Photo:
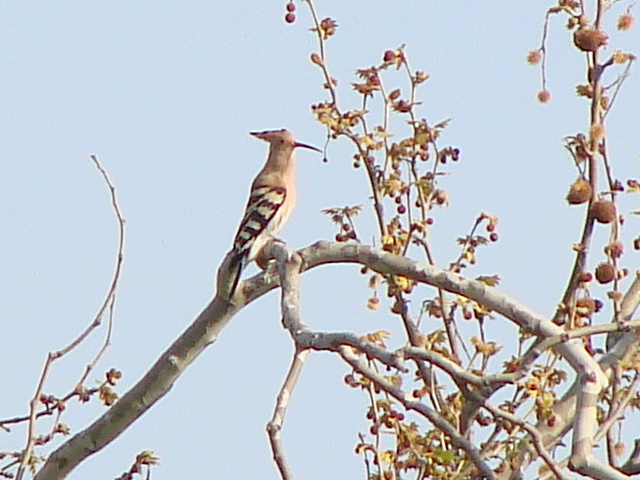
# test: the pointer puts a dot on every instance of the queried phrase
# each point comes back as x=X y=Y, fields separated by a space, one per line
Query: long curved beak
x=304 y=145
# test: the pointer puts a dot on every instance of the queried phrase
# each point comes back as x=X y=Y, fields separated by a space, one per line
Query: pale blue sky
x=165 y=94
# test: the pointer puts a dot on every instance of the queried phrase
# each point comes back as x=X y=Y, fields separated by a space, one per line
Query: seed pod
x=603 y=211
x=579 y=192
x=585 y=306
x=605 y=273
x=589 y=39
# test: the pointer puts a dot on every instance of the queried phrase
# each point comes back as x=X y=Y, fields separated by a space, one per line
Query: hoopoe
x=271 y=200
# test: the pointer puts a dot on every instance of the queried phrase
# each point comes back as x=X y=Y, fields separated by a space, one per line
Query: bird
x=272 y=199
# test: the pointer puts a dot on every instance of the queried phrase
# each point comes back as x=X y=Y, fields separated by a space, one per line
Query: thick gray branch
x=205 y=329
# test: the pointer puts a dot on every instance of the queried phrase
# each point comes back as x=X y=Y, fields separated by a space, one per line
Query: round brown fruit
x=605 y=273
x=603 y=211
x=579 y=192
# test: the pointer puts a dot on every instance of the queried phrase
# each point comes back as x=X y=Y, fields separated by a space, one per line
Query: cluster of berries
x=290 y=16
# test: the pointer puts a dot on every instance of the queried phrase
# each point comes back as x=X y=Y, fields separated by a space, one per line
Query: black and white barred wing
x=262 y=219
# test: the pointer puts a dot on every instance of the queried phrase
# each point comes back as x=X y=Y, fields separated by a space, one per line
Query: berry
x=401 y=209
x=291 y=7
x=389 y=55
x=290 y=17
x=493 y=237
x=586 y=277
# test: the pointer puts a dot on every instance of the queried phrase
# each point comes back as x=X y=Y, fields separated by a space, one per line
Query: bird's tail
x=236 y=266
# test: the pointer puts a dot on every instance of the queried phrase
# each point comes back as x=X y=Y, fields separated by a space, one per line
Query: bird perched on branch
x=271 y=201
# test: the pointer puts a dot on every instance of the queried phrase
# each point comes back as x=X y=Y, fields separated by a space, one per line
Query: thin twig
x=53 y=356
x=434 y=417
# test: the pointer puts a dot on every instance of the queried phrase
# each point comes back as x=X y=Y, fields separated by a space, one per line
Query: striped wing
x=259 y=220
x=257 y=225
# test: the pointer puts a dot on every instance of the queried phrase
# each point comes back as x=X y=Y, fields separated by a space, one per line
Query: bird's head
x=282 y=139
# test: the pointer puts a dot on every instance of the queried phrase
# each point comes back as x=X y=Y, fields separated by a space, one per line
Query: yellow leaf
x=491 y=281
x=387 y=456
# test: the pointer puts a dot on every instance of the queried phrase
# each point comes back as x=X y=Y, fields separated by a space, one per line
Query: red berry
x=290 y=17
x=493 y=237
x=291 y=7
x=398 y=199
x=491 y=227
x=430 y=221
x=401 y=209
x=586 y=277
x=400 y=416
x=389 y=55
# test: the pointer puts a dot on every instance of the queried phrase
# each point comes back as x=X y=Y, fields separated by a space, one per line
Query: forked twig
x=108 y=303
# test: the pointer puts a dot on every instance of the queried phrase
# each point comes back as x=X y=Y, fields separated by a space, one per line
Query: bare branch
x=108 y=303
x=274 y=427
